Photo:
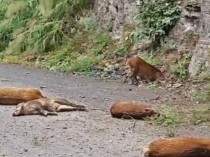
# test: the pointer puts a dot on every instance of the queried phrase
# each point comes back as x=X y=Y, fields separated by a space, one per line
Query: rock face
x=192 y=32
x=200 y=61
x=192 y=35
x=114 y=15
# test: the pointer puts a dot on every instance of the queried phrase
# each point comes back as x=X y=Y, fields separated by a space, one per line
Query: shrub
x=155 y=19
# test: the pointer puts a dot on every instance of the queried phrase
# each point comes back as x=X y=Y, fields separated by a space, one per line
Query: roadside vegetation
x=64 y=35
x=57 y=35
x=175 y=117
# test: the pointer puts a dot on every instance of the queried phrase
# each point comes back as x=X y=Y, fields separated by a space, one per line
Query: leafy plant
x=169 y=117
x=100 y=41
x=84 y=64
x=56 y=32
x=37 y=26
x=152 y=85
x=199 y=116
x=150 y=58
x=80 y=54
x=202 y=96
x=122 y=50
x=155 y=19
x=179 y=70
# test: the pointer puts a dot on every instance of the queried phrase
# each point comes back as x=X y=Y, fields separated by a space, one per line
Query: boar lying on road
x=14 y=96
x=179 y=147
x=46 y=106
x=128 y=110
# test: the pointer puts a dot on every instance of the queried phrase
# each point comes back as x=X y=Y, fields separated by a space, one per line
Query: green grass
x=202 y=96
x=169 y=118
x=52 y=31
x=152 y=85
x=40 y=23
x=150 y=58
x=200 y=116
x=173 y=118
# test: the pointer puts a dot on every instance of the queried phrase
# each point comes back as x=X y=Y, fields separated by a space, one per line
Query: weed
x=121 y=50
x=84 y=64
x=53 y=30
x=11 y=59
x=100 y=41
x=36 y=142
x=179 y=70
x=155 y=19
x=171 y=131
x=150 y=58
x=169 y=117
x=88 y=23
x=77 y=57
x=152 y=85
x=44 y=24
x=200 y=116
x=202 y=96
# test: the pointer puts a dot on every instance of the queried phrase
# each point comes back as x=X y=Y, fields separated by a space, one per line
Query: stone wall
x=114 y=15
x=191 y=34
x=200 y=61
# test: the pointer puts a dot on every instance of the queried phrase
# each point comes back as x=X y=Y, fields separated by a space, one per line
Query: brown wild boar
x=46 y=106
x=135 y=66
x=14 y=96
x=179 y=147
x=130 y=110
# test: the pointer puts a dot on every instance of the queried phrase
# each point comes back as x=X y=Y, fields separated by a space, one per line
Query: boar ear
x=20 y=106
x=147 y=109
x=146 y=151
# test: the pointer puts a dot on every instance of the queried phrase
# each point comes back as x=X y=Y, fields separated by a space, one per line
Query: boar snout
x=15 y=114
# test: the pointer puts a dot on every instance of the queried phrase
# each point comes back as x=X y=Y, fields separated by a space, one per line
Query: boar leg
x=125 y=78
x=133 y=76
x=52 y=113
x=43 y=112
x=63 y=108
x=46 y=113
x=61 y=101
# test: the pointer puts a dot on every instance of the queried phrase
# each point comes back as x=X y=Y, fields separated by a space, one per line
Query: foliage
x=121 y=50
x=155 y=19
x=180 y=69
x=57 y=32
x=169 y=117
x=150 y=58
x=152 y=85
x=38 y=26
x=202 y=96
x=79 y=54
x=200 y=116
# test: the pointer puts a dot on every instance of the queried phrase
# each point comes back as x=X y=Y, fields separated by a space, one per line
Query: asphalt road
x=78 y=134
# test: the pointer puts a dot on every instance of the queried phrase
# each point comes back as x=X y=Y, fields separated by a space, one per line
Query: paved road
x=77 y=134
